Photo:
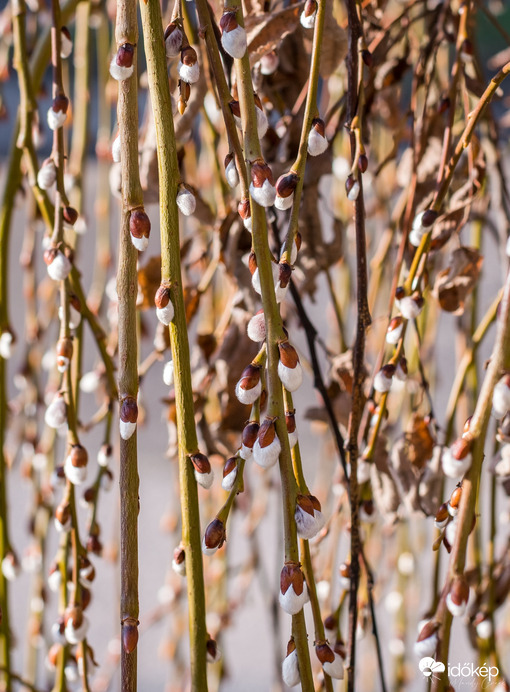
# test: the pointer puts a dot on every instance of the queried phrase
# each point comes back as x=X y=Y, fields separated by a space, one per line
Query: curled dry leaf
x=455 y=283
x=265 y=31
x=385 y=491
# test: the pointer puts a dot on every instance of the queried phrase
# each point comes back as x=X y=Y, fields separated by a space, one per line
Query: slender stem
x=127 y=113
x=171 y=276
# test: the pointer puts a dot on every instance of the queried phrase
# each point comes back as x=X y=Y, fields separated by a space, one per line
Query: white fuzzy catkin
x=308 y=22
x=168 y=373
x=291 y=602
x=231 y=174
x=291 y=378
x=179 y=567
x=290 y=669
x=283 y=203
x=189 y=73
x=126 y=429
x=228 y=481
x=234 y=42
x=293 y=438
x=382 y=383
x=307 y=524
x=89 y=382
x=119 y=72
x=75 y=635
x=280 y=291
x=55 y=118
x=186 y=202
x=317 y=144
x=264 y=195
x=267 y=456
x=60 y=267
x=393 y=335
x=455 y=468
x=256 y=328
x=335 y=669
x=6 y=341
x=269 y=63
x=248 y=396
x=66 y=46
x=173 y=43
x=140 y=244
x=206 y=550
x=426 y=647
x=262 y=122
x=116 y=149
x=76 y=474
x=47 y=175
x=501 y=398
x=415 y=237
x=409 y=308
x=255 y=279
x=56 y=413
x=204 y=479
x=455 y=609
x=484 y=629
x=165 y=315
x=10 y=569
x=353 y=193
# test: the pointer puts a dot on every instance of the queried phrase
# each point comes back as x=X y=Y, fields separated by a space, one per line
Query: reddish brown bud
x=286 y=184
x=89 y=495
x=310 y=7
x=125 y=55
x=367 y=57
x=243 y=208
x=179 y=555
x=442 y=513
x=291 y=575
x=298 y=241
x=444 y=105
x=349 y=183
x=200 y=462
x=267 y=432
x=429 y=217
x=331 y=622
x=250 y=432
x=129 y=410
x=63 y=513
x=60 y=103
x=228 y=21
x=325 y=653
x=49 y=255
x=363 y=163
x=399 y=292
x=290 y=421
x=65 y=348
x=170 y=29
x=162 y=296
x=188 y=56
x=79 y=456
x=229 y=466
x=285 y=272
x=260 y=172
x=129 y=635
x=94 y=545
x=291 y=646
x=455 y=497
x=250 y=376
x=460 y=448
x=252 y=262
x=388 y=369
x=319 y=126
x=428 y=630
x=74 y=614
x=215 y=534
x=305 y=503
x=288 y=354
x=345 y=570
x=403 y=364
x=70 y=215
x=459 y=591
x=139 y=224
x=235 y=108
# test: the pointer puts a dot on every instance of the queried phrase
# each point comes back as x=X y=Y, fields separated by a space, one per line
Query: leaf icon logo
x=428 y=666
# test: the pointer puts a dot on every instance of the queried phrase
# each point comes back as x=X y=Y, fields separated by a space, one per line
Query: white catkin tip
x=427 y=647
x=293 y=438
x=382 y=383
x=248 y=396
x=126 y=429
x=484 y=629
x=353 y=193
x=60 y=268
x=54 y=580
x=262 y=122
x=204 y=479
x=454 y=468
x=47 y=176
x=232 y=175
x=308 y=22
x=140 y=244
x=247 y=223
x=234 y=42
x=257 y=328
x=165 y=315
x=291 y=378
x=89 y=382
x=415 y=237
x=75 y=474
x=173 y=43
x=507 y=249
x=215 y=658
x=55 y=119
x=280 y=291
x=291 y=602
x=317 y=144
x=74 y=635
x=501 y=398
x=62 y=363
x=6 y=345
x=290 y=669
x=284 y=203
x=245 y=452
x=189 y=73
x=10 y=569
x=269 y=63
x=228 y=481
x=400 y=373
x=116 y=149
x=264 y=195
x=335 y=669
x=118 y=72
x=103 y=458
x=179 y=567
x=168 y=373
x=307 y=525
x=409 y=308
x=56 y=413
x=66 y=46
x=206 y=550
x=393 y=336
x=455 y=609
x=451 y=531
x=267 y=456
x=186 y=202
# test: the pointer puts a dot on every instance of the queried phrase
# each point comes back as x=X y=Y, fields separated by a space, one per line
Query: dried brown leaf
x=455 y=283
x=265 y=31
